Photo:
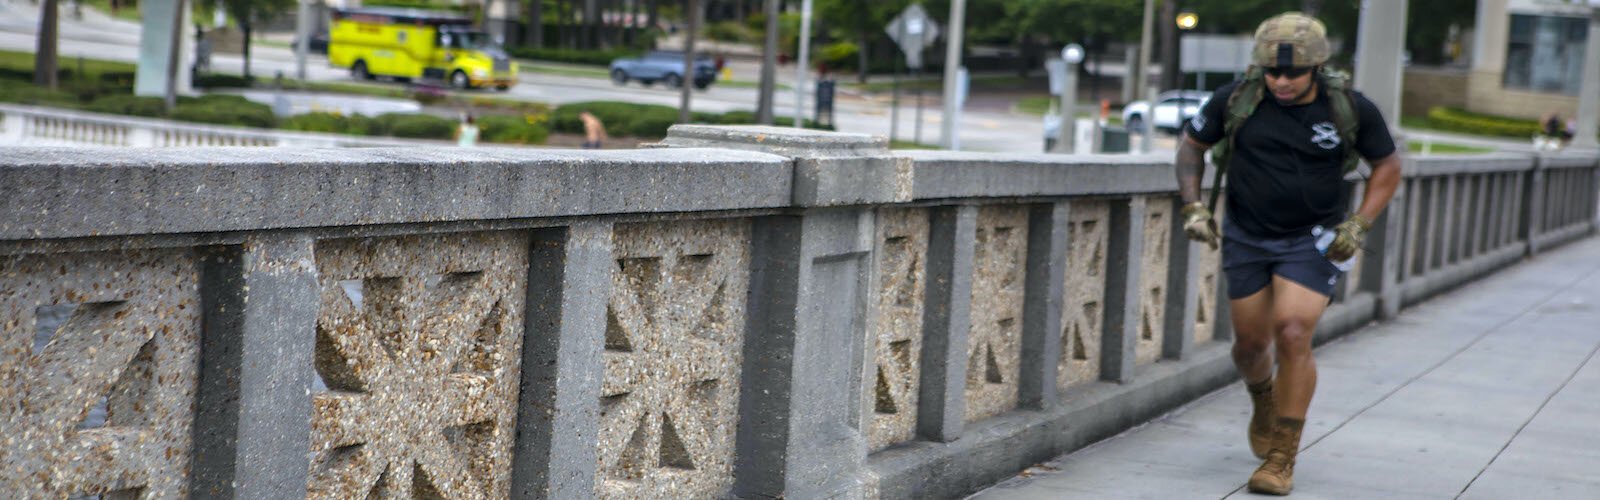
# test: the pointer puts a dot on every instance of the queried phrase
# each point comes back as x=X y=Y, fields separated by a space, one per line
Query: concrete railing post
x=252 y=424
x=946 y=322
x=569 y=283
x=1124 y=260
x=11 y=127
x=1183 y=287
x=801 y=431
x=1381 y=267
x=1041 y=307
x=1533 y=203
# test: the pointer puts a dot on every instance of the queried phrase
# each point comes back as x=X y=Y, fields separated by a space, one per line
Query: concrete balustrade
x=742 y=311
x=44 y=126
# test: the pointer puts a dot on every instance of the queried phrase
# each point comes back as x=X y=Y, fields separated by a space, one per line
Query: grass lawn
x=23 y=61
x=126 y=12
x=936 y=83
x=899 y=144
x=563 y=70
x=1445 y=147
x=1035 y=105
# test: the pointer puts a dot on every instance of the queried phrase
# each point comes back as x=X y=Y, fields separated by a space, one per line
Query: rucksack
x=1244 y=99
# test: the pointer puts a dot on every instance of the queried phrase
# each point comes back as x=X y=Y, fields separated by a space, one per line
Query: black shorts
x=1249 y=262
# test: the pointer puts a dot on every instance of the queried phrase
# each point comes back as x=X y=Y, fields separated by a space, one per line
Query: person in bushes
x=467 y=133
x=1287 y=137
x=593 y=130
x=1553 y=133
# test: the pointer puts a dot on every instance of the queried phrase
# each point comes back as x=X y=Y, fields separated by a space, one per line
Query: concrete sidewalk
x=1490 y=391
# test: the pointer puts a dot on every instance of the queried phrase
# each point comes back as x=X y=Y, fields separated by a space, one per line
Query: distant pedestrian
x=593 y=131
x=1553 y=133
x=467 y=133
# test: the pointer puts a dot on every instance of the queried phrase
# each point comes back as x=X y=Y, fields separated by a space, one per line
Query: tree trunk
x=244 y=28
x=1311 y=7
x=769 y=65
x=534 y=36
x=1171 y=76
x=655 y=16
x=45 y=61
x=616 y=30
x=862 y=49
x=686 y=87
x=568 y=39
x=632 y=36
x=591 y=24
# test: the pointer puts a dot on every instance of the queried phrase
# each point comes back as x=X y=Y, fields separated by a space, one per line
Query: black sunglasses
x=1291 y=72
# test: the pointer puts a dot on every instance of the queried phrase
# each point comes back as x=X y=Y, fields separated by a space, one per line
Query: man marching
x=1286 y=135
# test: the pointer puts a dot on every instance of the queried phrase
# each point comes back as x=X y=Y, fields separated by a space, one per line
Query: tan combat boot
x=1261 y=415
x=1276 y=475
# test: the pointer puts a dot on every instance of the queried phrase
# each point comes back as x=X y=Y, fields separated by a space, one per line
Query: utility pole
x=800 y=70
x=302 y=32
x=172 y=54
x=46 y=58
x=952 y=68
x=1141 y=72
x=1589 y=88
x=1171 y=77
x=686 y=84
x=769 y=65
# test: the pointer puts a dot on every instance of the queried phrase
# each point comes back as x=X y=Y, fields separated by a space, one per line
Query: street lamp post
x=800 y=70
x=1072 y=54
x=1186 y=21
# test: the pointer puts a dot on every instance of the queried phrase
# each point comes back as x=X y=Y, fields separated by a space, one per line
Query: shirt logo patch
x=1198 y=122
x=1325 y=135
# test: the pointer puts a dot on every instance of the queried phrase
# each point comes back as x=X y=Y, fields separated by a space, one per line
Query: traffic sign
x=913 y=31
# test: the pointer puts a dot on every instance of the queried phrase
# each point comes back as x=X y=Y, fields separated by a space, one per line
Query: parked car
x=663 y=66
x=1173 y=108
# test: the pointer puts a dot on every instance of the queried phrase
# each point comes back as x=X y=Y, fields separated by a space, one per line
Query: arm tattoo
x=1191 y=164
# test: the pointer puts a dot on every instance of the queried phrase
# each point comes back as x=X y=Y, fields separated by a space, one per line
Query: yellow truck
x=409 y=44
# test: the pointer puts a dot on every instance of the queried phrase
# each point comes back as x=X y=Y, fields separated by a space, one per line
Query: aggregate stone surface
x=674 y=334
x=1153 y=278
x=897 y=329
x=994 y=344
x=102 y=402
x=418 y=344
x=1210 y=272
x=1085 y=284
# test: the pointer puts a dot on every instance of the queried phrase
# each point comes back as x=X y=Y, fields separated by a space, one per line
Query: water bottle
x=1324 y=238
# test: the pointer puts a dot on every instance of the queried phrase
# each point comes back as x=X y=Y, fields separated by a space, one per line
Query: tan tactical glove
x=1347 y=238
x=1198 y=225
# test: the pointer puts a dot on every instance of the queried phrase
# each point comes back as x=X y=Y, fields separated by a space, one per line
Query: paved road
x=101 y=37
x=1491 y=391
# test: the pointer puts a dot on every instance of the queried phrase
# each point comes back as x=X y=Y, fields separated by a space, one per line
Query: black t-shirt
x=1287 y=170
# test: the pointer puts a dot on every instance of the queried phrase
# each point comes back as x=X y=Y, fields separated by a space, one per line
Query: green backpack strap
x=1241 y=104
x=1345 y=117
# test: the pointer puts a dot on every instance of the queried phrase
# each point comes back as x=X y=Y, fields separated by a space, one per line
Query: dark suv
x=663 y=66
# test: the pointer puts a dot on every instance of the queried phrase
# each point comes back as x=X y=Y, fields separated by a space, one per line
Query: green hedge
x=26 y=93
x=419 y=4
x=224 y=110
x=512 y=129
x=645 y=120
x=574 y=56
x=732 y=31
x=418 y=126
x=218 y=81
x=509 y=129
x=1456 y=120
x=128 y=104
x=335 y=123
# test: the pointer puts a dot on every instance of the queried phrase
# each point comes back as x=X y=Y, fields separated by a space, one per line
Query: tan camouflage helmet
x=1290 y=39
